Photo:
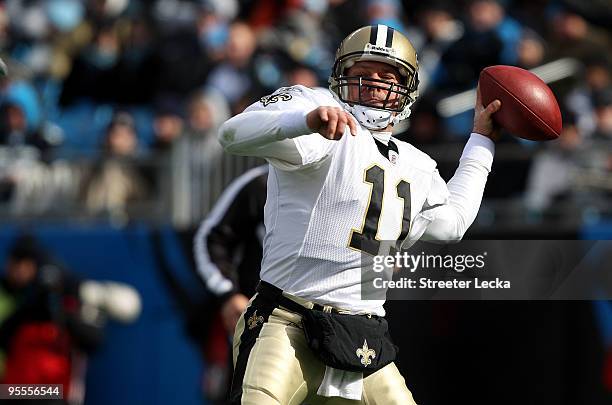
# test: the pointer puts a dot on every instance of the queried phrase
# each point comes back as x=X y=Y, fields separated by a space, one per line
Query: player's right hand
x=330 y=122
x=483 y=120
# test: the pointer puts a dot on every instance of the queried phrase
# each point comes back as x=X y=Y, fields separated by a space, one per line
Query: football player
x=227 y=245
x=228 y=249
x=338 y=185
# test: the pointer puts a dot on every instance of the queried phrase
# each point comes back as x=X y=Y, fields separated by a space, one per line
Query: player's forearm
x=264 y=133
x=466 y=189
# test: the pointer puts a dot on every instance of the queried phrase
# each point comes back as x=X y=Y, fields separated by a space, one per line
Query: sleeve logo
x=274 y=98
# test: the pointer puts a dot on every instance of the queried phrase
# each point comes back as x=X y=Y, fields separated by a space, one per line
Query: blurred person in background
x=573 y=36
x=595 y=77
x=121 y=139
x=235 y=77
x=205 y=114
x=576 y=169
x=425 y=125
x=47 y=34
x=345 y=16
x=41 y=328
x=15 y=131
x=438 y=30
x=104 y=10
x=228 y=250
x=489 y=16
x=602 y=135
x=263 y=15
x=196 y=154
x=531 y=50
x=553 y=169
x=182 y=45
x=531 y=13
x=206 y=111
x=213 y=29
x=490 y=38
x=602 y=102
x=21 y=121
x=303 y=75
x=50 y=320
x=386 y=12
x=92 y=76
x=116 y=180
x=136 y=71
x=32 y=180
x=602 y=144
x=303 y=36
x=168 y=124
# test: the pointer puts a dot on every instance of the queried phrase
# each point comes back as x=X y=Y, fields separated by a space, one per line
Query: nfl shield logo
x=393 y=156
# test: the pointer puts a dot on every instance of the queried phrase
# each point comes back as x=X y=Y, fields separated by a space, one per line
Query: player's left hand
x=483 y=121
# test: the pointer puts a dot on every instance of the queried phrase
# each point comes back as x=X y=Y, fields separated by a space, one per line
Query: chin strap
x=376 y=119
x=371 y=118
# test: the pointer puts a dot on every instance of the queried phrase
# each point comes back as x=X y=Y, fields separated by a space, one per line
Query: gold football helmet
x=378 y=43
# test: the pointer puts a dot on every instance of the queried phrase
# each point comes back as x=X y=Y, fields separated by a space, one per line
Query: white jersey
x=331 y=201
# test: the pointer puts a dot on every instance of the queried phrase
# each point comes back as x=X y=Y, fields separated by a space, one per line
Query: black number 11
x=366 y=239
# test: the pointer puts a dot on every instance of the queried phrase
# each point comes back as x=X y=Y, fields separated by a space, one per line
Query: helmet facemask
x=398 y=95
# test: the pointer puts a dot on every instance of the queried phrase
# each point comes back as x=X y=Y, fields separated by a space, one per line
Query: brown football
x=529 y=108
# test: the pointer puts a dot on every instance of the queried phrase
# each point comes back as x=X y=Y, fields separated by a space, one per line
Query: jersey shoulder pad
x=317 y=95
x=325 y=97
x=416 y=157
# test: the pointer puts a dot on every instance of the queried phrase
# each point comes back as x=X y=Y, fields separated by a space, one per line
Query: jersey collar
x=381 y=136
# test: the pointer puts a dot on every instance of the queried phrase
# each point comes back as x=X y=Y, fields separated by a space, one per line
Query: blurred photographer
x=50 y=320
x=40 y=326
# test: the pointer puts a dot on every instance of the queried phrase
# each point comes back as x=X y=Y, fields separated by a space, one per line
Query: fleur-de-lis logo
x=366 y=354
x=255 y=320
x=274 y=98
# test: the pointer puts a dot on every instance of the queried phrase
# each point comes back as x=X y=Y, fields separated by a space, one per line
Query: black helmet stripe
x=373 y=34
x=390 y=33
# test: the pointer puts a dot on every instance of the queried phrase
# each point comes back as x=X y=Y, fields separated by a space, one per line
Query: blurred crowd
x=105 y=97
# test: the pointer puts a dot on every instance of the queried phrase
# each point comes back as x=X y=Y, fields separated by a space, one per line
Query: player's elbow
x=226 y=137
x=444 y=232
x=449 y=236
x=455 y=237
x=456 y=232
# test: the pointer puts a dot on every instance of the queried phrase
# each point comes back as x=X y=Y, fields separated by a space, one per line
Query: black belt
x=275 y=296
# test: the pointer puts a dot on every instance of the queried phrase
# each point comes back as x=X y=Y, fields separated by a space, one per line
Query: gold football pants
x=273 y=365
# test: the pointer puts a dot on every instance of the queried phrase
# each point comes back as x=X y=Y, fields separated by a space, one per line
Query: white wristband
x=480 y=148
x=293 y=124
